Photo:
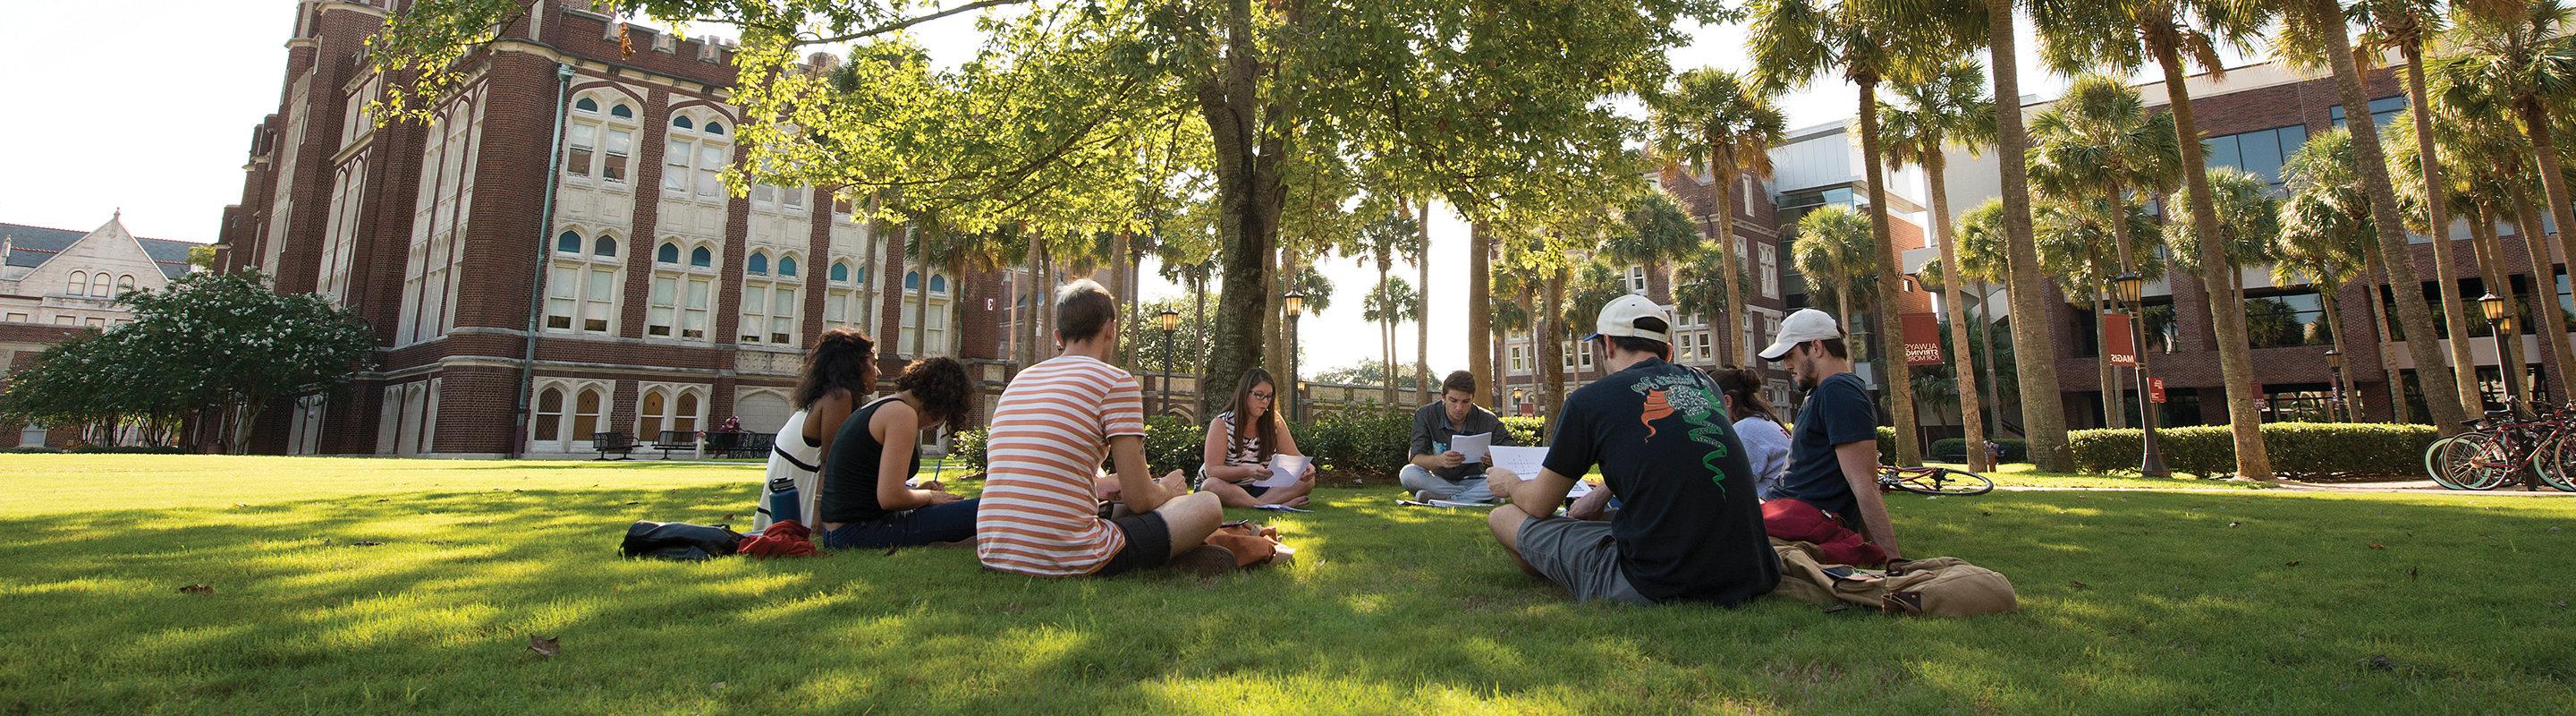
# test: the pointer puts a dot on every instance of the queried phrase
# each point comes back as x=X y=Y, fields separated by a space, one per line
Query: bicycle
x=1934 y=481
x=2501 y=445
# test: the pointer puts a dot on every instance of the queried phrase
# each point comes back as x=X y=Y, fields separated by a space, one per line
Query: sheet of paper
x=1284 y=470
x=1279 y=508
x=1524 y=462
x=1472 y=446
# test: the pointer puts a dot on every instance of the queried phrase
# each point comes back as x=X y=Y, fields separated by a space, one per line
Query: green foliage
x=970 y=446
x=2015 y=449
x=2299 y=450
x=1141 y=340
x=1359 y=443
x=1526 y=430
x=1173 y=443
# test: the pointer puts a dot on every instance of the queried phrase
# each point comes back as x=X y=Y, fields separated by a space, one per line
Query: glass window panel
x=669 y=254
x=604 y=246
x=786 y=265
x=682 y=121
x=622 y=112
x=586 y=104
x=840 y=272
x=701 y=257
x=568 y=242
x=759 y=264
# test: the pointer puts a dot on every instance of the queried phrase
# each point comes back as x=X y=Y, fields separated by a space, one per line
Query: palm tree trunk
x=921 y=309
x=2455 y=313
x=1386 y=337
x=2343 y=373
x=1422 y=305
x=1034 y=292
x=2111 y=412
x=1899 y=378
x=2509 y=362
x=1730 y=332
x=1994 y=388
x=2436 y=212
x=2440 y=391
x=2553 y=182
x=2235 y=359
x=1199 y=328
x=2043 y=411
x=1480 y=303
x=1553 y=388
x=2398 y=410
x=2114 y=409
x=2553 y=324
x=870 y=270
x=1963 y=364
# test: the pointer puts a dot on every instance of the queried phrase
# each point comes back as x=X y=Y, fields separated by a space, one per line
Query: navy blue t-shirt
x=1688 y=526
x=1838 y=411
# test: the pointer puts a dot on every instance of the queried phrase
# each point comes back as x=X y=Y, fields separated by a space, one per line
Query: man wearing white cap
x=1689 y=528
x=1833 y=451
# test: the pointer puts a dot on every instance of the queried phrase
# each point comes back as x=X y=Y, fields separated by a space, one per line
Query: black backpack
x=679 y=540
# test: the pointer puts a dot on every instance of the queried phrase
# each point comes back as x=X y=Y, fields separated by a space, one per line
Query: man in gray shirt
x=1437 y=472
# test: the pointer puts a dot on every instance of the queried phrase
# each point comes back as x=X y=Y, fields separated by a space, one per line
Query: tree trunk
x=2553 y=333
x=1899 y=377
x=2343 y=373
x=2115 y=412
x=2043 y=413
x=2111 y=412
x=1199 y=346
x=1552 y=390
x=2455 y=314
x=2510 y=365
x=921 y=309
x=1729 y=311
x=2553 y=183
x=2398 y=410
x=1249 y=190
x=1963 y=364
x=1480 y=303
x=2437 y=214
x=1422 y=305
x=2235 y=359
x=869 y=268
x=2440 y=391
x=1986 y=339
x=1386 y=338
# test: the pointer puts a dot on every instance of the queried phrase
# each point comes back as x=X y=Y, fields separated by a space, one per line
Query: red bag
x=1794 y=520
x=784 y=538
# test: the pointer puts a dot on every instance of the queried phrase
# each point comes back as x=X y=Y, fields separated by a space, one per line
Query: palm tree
x=2518 y=59
x=1654 y=233
x=2121 y=36
x=1594 y=284
x=1422 y=304
x=1985 y=257
x=2043 y=414
x=2098 y=144
x=2248 y=220
x=1716 y=118
x=2322 y=241
x=1390 y=303
x=1944 y=107
x=1793 y=41
x=2326 y=169
x=2496 y=184
x=1832 y=248
x=2079 y=247
x=1382 y=240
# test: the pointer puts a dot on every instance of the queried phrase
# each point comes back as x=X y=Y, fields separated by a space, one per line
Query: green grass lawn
x=2132 y=602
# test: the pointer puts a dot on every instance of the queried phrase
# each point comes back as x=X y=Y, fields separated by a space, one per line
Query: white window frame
x=583 y=285
x=942 y=292
x=694 y=157
x=680 y=298
x=593 y=139
x=771 y=302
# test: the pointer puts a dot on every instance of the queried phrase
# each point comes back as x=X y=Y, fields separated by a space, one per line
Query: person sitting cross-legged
x=1053 y=427
x=1438 y=472
x=1240 y=443
x=1833 y=451
x=865 y=499
x=1688 y=528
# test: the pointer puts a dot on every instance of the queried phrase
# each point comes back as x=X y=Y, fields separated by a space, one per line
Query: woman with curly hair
x=838 y=374
x=867 y=499
x=1240 y=442
x=1766 y=441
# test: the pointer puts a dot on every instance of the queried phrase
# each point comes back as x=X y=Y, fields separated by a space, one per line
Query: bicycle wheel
x=2465 y=462
x=1941 y=481
x=2557 y=465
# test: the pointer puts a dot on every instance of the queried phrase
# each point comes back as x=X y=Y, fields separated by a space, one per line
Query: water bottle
x=782 y=504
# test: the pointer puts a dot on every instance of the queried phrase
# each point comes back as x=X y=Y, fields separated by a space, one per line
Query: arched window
x=938 y=283
x=678 y=298
x=650 y=418
x=124 y=283
x=585 y=417
x=769 y=305
x=940 y=306
x=582 y=289
x=98 y=285
x=841 y=305
x=700 y=257
x=840 y=272
x=597 y=149
x=669 y=253
x=912 y=281
x=550 y=415
x=695 y=160
x=79 y=284
x=684 y=415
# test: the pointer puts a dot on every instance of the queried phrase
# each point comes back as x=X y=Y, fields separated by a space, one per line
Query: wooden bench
x=612 y=443
x=671 y=440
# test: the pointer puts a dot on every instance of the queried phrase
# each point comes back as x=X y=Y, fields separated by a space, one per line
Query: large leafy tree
x=1943 y=107
x=1870 y=42
x=2121 y=36
x=1044 y=129
x=1717 y=121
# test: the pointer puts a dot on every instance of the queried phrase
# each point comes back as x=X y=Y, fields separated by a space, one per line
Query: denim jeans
x=1427 y=486
x=911 y=528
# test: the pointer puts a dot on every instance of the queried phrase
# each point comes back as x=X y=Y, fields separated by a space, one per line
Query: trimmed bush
x=970 y=445
x=1363 y=444
x=2015 y=449
x=1525 y=431
x=126 y=449
x=1174 y=444
x=2299 y=451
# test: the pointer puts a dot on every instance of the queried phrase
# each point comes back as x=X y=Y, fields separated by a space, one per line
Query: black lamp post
x=2507 y=366
x=1171 y=321
x=2334 y=365
x=1296 y=308
x=1517 y=396
x=2130 y=288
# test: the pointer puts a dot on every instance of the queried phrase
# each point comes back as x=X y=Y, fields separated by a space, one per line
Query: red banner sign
x=2116 y=341
x=2156 y=390
x=1922 y=339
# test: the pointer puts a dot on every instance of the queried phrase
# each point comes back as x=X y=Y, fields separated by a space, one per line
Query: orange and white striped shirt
x=1050 y=432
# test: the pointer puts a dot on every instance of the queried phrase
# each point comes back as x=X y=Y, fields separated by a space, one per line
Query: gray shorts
x=1579 y=555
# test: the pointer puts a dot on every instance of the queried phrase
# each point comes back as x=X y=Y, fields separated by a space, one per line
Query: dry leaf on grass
x=2380 y=662
x=197 y=589
x=2291 y=563
x=2375 y=545
x=545 y=646
x=2071 y=584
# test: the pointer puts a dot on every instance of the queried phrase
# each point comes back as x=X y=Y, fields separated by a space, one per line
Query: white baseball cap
x=1807 y=324
x=1619 y=318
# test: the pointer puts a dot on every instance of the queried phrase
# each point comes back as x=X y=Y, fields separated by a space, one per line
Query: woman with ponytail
x=1766 y=441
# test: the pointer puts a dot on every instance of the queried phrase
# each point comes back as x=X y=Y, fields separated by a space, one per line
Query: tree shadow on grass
x=2132 y=602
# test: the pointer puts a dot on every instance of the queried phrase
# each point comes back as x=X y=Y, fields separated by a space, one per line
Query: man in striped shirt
x=1055 y=424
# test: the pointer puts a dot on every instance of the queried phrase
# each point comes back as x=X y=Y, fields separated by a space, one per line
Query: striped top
x=1246 y=451
x=1050 y=432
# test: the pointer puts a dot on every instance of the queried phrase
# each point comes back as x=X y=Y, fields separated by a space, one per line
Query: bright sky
x=158 y=122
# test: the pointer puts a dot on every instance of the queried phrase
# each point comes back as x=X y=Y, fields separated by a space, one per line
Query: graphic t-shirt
x=1838 y=411
x=1688 y=526
x=1051 y=430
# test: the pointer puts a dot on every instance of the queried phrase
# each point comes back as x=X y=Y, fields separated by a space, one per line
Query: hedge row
x=97 y=449
x=2299 y=450
x=1362 y=443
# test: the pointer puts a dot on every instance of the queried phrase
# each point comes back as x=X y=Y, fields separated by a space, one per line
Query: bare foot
x=1300 y=501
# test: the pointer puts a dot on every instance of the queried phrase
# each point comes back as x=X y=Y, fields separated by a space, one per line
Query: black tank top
x=850 y=472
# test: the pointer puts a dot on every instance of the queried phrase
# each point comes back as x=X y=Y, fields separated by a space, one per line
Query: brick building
x=55 y=283
x=668 y=304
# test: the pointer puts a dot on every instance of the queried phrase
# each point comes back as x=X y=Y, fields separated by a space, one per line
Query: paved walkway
x=2403 y=487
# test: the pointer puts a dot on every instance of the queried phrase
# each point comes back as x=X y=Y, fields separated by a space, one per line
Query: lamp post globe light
x=1518 y=395
x=1171 y=321
x=1296 y=307
x=2129 y=289
x=2508 y=364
